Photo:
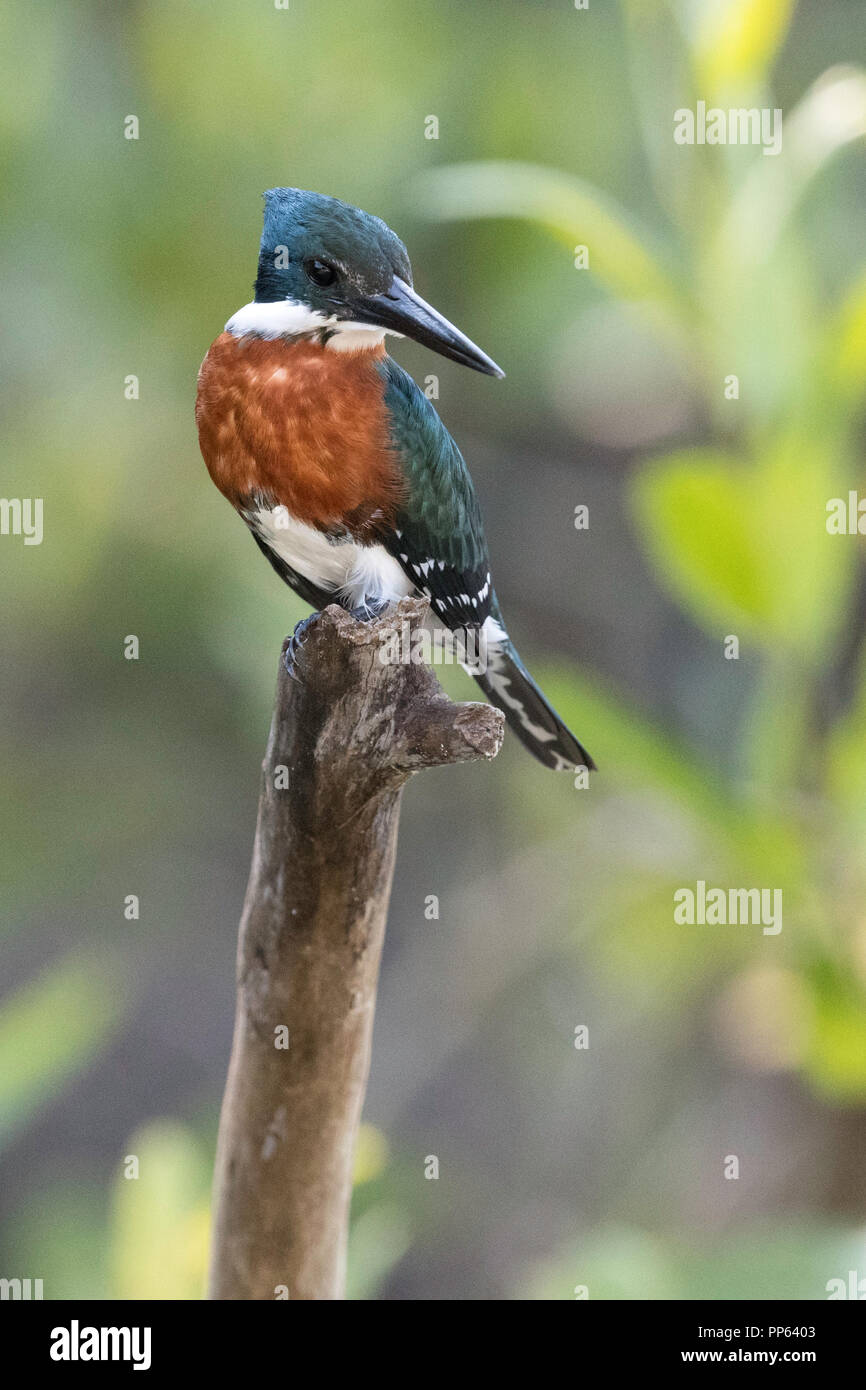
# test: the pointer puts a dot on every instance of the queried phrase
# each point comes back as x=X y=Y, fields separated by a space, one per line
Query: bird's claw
x=369 y=612
x=366 y=613
x=294 y=645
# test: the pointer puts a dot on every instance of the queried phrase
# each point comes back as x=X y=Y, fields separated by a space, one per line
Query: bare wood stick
x=349 y=731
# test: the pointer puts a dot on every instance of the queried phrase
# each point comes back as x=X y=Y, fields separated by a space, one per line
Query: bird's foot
x=370 y=611
x=294 y=644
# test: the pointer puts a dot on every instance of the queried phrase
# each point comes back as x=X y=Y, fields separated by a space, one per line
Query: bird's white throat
x=288 y=318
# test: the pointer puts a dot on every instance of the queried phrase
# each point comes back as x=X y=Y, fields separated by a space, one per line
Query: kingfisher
x=337 y=461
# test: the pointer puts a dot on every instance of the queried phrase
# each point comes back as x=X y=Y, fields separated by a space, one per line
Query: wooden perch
x=347 y=732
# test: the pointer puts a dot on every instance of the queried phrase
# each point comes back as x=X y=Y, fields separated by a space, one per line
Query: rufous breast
x=301 y=425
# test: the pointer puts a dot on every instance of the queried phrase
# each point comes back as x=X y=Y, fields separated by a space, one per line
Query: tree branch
x=347 y=732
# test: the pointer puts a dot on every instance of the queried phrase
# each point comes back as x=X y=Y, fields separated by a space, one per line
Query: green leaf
x=722 y=539
x=695 y=514
x=836 y=1055
x=574 y=211
x=846 y=348
x=735 y=42
x=830 y=116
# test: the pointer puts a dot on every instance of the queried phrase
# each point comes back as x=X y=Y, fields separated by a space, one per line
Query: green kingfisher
x=337 y=461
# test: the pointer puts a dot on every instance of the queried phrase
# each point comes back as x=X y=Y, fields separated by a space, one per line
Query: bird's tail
x=508 y=685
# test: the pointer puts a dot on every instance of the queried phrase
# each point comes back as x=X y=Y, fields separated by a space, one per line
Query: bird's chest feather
x=299 y=426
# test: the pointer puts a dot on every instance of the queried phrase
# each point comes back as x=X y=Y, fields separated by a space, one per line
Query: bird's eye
x=320 y=272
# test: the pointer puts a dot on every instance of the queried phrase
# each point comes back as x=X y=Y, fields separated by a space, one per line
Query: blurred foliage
x=704 y=262
x=737 y=530
x=624 y=1263
x=50 y=1030
x=161 y=1222
x=152 y=1240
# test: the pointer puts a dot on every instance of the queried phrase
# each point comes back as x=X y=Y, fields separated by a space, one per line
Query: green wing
x=439 y=535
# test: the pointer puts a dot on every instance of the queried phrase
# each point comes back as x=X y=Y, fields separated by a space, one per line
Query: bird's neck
x=292 y=320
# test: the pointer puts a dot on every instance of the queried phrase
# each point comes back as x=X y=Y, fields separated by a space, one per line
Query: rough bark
x=348 y=729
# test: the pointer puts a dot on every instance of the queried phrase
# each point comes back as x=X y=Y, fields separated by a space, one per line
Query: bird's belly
x=356 y=574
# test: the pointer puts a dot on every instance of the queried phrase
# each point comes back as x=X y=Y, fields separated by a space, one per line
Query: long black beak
x=403 y=311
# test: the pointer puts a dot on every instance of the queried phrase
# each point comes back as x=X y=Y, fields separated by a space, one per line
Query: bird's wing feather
x=439 y=536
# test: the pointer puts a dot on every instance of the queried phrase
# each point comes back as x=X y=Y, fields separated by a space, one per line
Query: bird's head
x=351 y=272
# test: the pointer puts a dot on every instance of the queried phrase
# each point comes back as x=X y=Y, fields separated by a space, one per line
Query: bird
x=338 y=462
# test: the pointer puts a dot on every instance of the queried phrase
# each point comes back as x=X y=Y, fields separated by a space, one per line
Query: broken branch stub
x=347 y=732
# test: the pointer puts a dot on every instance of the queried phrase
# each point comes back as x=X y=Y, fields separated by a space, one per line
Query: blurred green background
x=559 y=1167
